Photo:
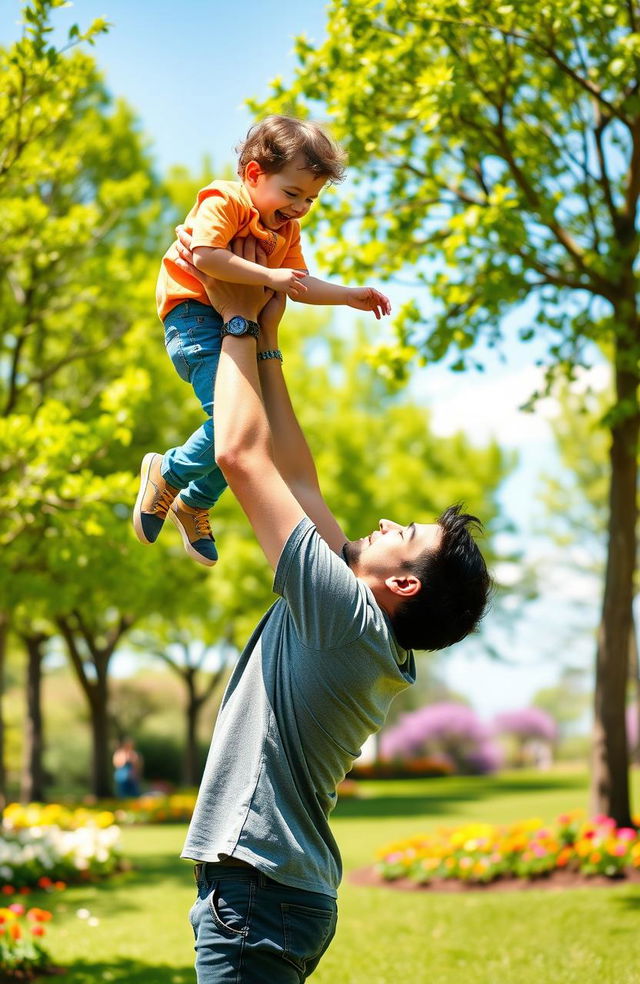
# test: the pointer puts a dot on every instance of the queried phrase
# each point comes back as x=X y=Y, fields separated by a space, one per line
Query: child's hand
x=369 y=299
x=287 y=281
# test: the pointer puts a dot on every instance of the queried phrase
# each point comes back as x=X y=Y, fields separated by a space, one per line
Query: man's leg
x=250 y=929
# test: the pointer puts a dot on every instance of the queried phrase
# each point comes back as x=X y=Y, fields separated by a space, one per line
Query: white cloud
x=488 y=406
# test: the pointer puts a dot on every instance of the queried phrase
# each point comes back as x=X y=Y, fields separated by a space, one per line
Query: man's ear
x=404 y=587
x=252 y=172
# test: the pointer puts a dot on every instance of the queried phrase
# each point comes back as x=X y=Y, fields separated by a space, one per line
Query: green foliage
x=492 y=153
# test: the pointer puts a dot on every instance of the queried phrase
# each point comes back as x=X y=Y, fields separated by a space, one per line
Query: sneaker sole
x=186 y=542
x=137 y=509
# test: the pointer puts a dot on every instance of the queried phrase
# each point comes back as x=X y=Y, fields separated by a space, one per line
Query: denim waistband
x=235 y=866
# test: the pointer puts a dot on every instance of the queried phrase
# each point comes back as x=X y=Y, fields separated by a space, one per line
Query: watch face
x=236 y=326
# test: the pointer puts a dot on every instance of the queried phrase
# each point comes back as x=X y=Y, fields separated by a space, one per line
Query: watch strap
x=251 y=328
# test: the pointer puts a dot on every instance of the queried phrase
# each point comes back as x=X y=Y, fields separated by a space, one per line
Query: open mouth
x=281 y=217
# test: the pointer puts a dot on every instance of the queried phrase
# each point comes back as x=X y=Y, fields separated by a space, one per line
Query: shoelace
x=202 y=524
x=162 y=501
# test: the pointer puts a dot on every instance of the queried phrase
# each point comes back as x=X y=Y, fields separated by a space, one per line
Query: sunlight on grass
x=581 y=936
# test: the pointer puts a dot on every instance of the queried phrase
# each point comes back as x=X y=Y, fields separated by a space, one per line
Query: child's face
x=287 y=195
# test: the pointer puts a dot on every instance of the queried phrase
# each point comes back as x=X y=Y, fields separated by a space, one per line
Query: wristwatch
x=240 y=326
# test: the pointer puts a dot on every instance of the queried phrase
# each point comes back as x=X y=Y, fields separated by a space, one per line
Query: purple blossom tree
x=447 y=731
x=527 y=723
x=534 y=732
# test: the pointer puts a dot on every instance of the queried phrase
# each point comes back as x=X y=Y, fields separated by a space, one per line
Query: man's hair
x=277 y=140
x=456 y=587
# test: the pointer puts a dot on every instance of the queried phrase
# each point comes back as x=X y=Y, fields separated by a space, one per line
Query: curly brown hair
x=277 y=140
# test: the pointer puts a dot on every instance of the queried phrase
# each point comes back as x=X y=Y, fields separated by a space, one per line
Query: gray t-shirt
x=314 y=681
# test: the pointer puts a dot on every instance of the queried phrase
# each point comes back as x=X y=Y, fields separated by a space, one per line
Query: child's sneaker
x=154 y=499
x=195 y=531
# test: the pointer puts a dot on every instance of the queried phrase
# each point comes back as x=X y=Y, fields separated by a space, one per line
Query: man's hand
x=229 y=300
x=288 y=281
x=368 y=299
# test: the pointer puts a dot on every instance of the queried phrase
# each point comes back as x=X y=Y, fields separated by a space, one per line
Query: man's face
x=388 y=550
x=287 y=195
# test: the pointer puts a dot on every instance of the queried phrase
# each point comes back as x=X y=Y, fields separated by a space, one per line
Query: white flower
x=83 y=914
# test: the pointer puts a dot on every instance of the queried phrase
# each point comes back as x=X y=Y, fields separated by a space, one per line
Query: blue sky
x=187 y=69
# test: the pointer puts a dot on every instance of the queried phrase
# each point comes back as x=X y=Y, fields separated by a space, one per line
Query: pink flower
x=17 y=908
x=619 y=850
x=627 y=834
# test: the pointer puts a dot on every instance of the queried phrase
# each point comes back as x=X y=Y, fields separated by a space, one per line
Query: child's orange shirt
x=223 y=210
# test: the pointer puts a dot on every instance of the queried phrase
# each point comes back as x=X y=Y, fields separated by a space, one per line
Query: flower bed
x=481 y=853
x=22 y=954
x=150 y=808
x=49 y=855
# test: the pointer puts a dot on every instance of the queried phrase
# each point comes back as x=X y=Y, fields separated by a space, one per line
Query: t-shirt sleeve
x=294 y=260
x=218 y=219
x=327 y=602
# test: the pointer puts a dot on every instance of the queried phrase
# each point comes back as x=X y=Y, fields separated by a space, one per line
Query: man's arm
x=292 y=455
x=244 y=448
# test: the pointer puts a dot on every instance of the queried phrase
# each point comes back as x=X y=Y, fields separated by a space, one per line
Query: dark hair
x=456 y=587
x=277 y=140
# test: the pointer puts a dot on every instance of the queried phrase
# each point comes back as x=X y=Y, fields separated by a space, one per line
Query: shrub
x=448 y=732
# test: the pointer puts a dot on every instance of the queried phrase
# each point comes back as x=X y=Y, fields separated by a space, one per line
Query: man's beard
x=351 y=552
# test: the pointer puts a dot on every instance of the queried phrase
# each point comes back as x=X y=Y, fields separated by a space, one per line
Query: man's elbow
x=234 y=462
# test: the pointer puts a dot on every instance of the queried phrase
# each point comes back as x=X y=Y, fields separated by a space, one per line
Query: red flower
x=8 y=890
x=15 y=931
x=37 y=930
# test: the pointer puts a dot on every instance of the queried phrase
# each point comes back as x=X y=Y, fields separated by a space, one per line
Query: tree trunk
x=4 y=632
x=190 y=772
x=610 y=773
x=32 y=782
x=101 y=770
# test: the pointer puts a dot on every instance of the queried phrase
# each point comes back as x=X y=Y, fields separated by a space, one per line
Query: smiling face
x=384 y=558
x=287 y=194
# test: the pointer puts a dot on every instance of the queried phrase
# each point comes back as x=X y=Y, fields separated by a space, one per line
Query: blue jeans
x=250 y=929
x=193 y=343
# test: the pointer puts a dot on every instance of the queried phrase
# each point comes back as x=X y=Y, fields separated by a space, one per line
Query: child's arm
x=225 y=265
x=361 y=298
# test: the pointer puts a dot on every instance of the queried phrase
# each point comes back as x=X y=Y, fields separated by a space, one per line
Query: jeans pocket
x=230 y=904
x=175 y=351
x=307 y=934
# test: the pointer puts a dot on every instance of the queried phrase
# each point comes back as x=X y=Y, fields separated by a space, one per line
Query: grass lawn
x=580 y=936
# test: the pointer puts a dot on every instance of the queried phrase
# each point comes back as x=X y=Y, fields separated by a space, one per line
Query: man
x=316 y=677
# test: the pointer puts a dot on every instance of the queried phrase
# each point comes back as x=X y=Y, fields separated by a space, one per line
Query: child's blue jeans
x=250 y=929
x=193 y=342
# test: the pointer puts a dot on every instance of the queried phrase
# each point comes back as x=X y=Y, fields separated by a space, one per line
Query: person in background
x=127 y=766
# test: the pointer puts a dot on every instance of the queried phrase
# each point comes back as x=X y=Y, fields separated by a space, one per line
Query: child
x=283 y=165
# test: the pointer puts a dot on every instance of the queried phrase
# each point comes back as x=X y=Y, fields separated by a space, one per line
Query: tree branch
x=76 y=658
x=583 y=83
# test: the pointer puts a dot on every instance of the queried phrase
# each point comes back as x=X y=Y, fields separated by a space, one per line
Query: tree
x=496 y=151
x=78 y=265
x=187 y=656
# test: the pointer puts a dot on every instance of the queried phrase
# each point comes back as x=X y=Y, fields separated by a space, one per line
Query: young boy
x=283 y=165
